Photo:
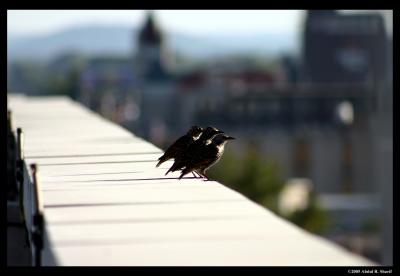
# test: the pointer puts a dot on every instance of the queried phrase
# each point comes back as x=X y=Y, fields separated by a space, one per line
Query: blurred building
x=318 y=120
x=107 y=85
x=156 y=82
x=119 y=87
x=351 y=44
x=151 y=58
x=351 y=51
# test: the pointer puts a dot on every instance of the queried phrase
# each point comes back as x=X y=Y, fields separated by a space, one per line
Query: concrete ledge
x=106 y=203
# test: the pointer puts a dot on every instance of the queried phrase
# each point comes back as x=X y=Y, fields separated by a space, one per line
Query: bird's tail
x=173 y=168
x=184 y=172
x=161 y=160
x=170 y=169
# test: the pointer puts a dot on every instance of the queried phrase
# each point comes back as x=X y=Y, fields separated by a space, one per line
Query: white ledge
x=107 y=204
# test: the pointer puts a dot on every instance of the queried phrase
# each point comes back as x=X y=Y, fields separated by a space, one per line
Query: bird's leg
x=201 y=176
x=194 y=175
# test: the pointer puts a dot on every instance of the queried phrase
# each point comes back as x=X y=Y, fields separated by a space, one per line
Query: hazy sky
x=33 y=22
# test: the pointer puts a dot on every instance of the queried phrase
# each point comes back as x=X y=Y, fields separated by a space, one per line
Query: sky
x=37 y=22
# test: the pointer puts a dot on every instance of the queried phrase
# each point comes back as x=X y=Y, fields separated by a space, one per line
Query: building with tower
x=128 y=89
x=156 y=82
x=150 y=58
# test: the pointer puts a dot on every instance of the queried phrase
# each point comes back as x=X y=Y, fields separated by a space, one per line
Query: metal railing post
x=19 y=176
x=12 y=186
x=38 y=220
x=20 y=166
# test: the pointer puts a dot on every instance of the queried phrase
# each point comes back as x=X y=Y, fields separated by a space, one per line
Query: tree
x=262 y=181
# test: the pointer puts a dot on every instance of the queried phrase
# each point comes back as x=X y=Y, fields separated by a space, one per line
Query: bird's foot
x=205 y=178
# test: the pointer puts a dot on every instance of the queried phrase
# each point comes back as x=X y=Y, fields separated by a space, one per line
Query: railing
x=100 y=200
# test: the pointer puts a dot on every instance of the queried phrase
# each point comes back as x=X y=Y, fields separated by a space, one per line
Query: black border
x=349 y=4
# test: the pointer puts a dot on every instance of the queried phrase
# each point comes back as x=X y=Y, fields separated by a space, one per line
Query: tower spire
x=150 y=33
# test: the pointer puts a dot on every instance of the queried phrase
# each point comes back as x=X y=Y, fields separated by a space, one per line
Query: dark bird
x=181 y=144
x=182 y=158
x=206 y=156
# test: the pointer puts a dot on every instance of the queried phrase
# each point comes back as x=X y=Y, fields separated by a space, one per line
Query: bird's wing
x=177 y=146
x=202 y=156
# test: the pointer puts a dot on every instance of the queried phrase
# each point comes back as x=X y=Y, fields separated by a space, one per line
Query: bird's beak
x=229 y=138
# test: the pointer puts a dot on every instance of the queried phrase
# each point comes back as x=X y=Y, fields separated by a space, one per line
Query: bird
x=180 y=144
x=206 y=156
x=185 y=155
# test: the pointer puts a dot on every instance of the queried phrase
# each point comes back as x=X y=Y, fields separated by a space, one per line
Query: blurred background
x=307 y=94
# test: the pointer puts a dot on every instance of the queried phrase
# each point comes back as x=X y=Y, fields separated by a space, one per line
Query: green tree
x=262 y=181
